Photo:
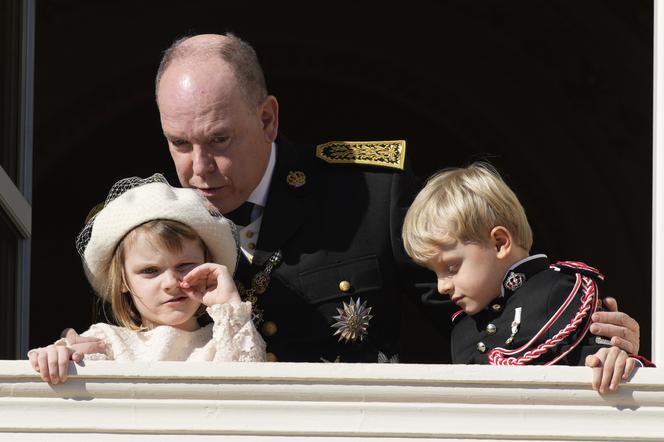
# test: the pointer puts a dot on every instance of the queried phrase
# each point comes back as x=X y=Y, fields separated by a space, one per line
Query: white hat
x=135 y=201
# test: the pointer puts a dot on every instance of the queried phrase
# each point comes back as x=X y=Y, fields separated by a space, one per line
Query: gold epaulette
x=376 y=153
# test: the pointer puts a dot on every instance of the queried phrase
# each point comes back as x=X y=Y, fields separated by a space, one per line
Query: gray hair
x=239 y=55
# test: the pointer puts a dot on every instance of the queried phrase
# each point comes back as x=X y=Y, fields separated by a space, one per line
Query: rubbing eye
x=186 y=267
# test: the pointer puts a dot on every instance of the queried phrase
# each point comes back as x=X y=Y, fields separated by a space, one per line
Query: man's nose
x=445 y=286
x=203 y=162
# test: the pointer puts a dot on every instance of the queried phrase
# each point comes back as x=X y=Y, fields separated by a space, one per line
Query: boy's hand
x=210 y=284
x=51 y=362
x=621 y=328
x=610 y=367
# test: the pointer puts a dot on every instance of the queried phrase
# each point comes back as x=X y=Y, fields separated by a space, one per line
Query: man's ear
x=501 y=239
x=268 y=112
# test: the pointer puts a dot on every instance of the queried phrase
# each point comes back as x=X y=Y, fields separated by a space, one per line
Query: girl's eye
x=185 y=268
x=453 y=269
x=150 y=271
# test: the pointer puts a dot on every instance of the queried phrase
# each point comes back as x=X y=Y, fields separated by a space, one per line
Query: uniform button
x=496 y=307
x=269 y=328
x=344 y=286
x=480 y=347
x=251 y=246
x=271 y=357
x=249 y=233
x=490 y=329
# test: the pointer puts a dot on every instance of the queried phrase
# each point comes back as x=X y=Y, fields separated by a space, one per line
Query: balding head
x=236 y=53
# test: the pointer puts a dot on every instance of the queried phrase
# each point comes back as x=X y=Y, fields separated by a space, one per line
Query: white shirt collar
x=259 y=195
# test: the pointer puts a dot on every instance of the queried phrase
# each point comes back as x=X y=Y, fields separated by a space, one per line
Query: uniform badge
x=514 y=281
x=375 y=153
x=352 y=321
x=296 y=178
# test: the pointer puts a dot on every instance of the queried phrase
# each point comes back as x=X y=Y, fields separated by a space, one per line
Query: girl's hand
x=51 y=362
x=210 y=284
x=610 y=367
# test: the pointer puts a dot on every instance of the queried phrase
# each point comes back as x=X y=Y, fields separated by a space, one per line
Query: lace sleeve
x=234 y=335
x=97 y=331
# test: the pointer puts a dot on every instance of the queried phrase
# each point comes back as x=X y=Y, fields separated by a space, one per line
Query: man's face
x=220 y=143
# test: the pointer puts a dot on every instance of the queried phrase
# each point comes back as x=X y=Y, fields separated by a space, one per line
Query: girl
x=161 y=258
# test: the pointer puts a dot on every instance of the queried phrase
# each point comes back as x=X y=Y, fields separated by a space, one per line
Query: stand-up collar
x=520 y=272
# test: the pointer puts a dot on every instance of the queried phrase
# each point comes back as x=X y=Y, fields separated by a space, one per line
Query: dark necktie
x=242 y=215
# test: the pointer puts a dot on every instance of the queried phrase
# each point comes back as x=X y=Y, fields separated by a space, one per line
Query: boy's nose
x=445 y=286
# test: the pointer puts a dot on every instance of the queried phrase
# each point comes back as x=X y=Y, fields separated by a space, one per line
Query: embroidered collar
x=520 y=272
x=514 y=278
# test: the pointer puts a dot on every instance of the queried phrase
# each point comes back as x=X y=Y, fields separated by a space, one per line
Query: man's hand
x=621 y=328
x=82 y=345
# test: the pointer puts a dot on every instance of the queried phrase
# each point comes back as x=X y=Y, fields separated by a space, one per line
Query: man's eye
x=219 y=140
x=179 y=143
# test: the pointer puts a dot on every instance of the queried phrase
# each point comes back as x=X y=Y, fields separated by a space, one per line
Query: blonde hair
x=166 y=234
x=462 y=204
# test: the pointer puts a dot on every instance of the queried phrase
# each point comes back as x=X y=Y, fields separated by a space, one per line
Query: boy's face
x=470 y=274
x=153 y=276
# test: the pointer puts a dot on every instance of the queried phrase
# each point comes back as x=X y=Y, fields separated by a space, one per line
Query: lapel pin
x=296 y=178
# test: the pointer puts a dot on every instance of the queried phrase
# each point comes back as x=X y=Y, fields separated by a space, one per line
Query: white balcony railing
x=254 y=401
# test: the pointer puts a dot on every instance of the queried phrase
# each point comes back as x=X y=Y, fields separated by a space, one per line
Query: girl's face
x=153 y=277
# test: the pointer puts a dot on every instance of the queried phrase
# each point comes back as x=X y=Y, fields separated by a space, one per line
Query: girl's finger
x=42 y=360
x=53 y=368
x=63 y=362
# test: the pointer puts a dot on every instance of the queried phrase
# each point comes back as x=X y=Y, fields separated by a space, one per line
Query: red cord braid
x=588 y=302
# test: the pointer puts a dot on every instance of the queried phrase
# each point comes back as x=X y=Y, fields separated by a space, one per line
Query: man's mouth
x=209 y=191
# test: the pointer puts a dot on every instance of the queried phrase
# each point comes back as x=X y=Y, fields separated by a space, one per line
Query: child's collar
x=520 y=272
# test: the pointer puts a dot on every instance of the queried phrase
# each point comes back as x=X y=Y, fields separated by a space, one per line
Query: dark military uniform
x=539 y=291
x=338 y=227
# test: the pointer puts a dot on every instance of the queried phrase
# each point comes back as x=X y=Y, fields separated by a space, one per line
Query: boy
x=468 y=227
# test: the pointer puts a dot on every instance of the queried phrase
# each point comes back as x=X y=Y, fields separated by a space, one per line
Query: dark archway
x=558 y=95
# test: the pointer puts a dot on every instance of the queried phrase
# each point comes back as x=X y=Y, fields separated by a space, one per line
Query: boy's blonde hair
x=166 y=234
x=462 y=204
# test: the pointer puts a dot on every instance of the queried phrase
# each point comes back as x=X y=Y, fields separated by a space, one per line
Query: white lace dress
x=230 y=337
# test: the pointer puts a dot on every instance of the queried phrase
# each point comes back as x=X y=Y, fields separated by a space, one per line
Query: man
x=323 y=262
